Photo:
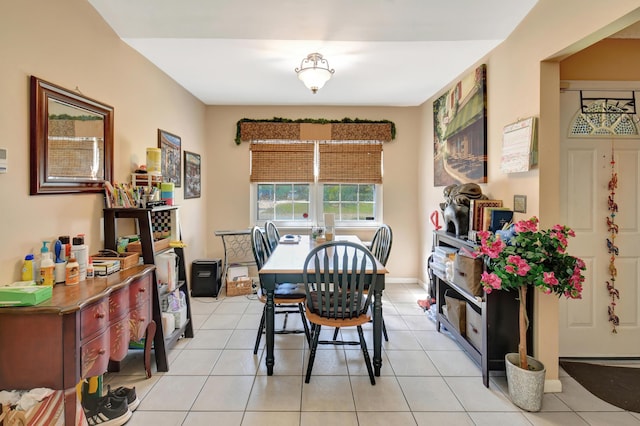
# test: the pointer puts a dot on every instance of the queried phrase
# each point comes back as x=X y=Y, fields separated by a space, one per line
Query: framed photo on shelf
x=191 y=175
x=171 y=157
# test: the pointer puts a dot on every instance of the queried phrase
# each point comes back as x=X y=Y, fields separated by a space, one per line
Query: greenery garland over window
x=314 y=121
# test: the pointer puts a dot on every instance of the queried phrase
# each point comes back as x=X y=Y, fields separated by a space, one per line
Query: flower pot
x=526 y=387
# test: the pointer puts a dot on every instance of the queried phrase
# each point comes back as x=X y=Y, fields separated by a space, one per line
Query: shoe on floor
x=424 y=304
x=125 y=393
x=108 y=412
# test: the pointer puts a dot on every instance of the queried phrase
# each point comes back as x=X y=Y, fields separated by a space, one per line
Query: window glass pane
x=284 y=211
x=367 y=192
x=283 y=201
x=331 y=193
x=332 y=208
x=284 y=192
x=301 y=192
x=349 y=211
x=366 y=211
x=266 y=202
x=349 y=193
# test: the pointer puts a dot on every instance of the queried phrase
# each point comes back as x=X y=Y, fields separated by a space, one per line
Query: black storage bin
x=205 y=277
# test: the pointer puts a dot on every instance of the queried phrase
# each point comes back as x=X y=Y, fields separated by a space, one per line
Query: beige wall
x=67 y=43
x=610 y=60
x=523 y=81
x=228 y=174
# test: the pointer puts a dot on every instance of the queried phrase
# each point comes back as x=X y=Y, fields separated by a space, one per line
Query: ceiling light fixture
x=314 y=72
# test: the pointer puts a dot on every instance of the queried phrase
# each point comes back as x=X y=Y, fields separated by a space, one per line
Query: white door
x=585 y=330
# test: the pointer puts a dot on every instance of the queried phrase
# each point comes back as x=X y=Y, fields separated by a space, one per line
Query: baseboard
x=390 y=280
x=552 y=386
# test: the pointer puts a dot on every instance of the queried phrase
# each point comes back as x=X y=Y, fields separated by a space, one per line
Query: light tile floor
x=426 y=378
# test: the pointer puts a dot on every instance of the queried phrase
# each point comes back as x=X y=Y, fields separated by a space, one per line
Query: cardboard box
x=474 y=327
x=158 y=245
x=127 y=260
x=24 y=295
x=238 y=286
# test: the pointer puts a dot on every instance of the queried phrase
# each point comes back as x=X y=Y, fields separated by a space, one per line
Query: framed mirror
x=71 y=141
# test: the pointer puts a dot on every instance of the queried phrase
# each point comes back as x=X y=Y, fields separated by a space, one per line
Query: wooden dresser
x=76 y=333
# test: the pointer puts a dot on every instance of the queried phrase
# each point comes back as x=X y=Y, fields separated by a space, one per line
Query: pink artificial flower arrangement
x=530 y=257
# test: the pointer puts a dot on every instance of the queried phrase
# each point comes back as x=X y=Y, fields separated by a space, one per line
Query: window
x=343 y=178
x=349 y=202
x=282 y=202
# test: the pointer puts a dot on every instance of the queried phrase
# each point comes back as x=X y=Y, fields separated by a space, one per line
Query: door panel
x=585 y=330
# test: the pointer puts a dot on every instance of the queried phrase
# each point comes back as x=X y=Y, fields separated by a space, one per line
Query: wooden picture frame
x=460 y=131
x=520 y=203
x=192 y=177
x=71 y=141
x=171 y=157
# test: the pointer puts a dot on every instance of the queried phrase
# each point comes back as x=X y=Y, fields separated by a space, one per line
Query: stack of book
x=441 y=255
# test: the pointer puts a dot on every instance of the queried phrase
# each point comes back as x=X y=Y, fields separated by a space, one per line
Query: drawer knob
x=142 y=290
x=141 y=319
x=99 y=315
x=102 y=352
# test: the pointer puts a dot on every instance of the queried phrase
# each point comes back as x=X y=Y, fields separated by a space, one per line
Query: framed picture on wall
x=171 y=157
x=191 y=175
x=460 y=131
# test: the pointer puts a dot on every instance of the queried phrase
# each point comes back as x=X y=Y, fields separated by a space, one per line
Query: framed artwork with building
x=192 y=180
x=460 y=131
x=171 y=157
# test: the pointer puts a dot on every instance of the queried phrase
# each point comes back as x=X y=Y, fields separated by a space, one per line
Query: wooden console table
x=76 y=333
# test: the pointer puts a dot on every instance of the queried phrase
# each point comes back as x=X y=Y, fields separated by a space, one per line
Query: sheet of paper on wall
x=519 y=146
x=329 y=219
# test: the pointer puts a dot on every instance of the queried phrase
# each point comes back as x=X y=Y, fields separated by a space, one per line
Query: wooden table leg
x=150 y=333
x=377 y=331
x=269 y=331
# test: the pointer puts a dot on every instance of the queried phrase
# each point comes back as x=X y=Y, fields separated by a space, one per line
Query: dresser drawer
x=140 y=291
x=139 y=319
x=118 y=304
x=94 y=355
x=94 y=318
x=119 y=336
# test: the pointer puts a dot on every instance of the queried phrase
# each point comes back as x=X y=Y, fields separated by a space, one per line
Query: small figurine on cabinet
x=455 y=209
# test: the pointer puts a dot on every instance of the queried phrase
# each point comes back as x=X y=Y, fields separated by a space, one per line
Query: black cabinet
x=144 y=221
x=497 y=313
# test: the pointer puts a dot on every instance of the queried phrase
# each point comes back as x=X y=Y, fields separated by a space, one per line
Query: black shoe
x=125 y=393
x=108 y=412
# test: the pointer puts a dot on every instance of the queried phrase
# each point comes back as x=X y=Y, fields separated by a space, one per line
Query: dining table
x=285 y=265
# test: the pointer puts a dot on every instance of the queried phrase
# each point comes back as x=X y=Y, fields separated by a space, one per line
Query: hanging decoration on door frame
x=612 y=229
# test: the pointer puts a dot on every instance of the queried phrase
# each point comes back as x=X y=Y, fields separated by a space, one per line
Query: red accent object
x=435 y=220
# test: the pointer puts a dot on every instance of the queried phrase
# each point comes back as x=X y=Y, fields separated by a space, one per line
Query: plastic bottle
x=27 y=268
x=66 y=246
x=73 y=271
x=60 y=264
x=81 y=252
x=46 y=270
x=90 y=270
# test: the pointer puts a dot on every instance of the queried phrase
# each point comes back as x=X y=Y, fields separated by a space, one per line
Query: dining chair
x=380 y=247
x=287 y=298
x=336 y=275
x=273 y=236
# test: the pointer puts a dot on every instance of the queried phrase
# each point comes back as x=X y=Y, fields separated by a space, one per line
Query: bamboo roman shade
x=357 y=162
x=282 y=161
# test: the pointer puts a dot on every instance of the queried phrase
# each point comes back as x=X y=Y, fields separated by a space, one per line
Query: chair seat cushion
x=289 y=291
x=314 y=306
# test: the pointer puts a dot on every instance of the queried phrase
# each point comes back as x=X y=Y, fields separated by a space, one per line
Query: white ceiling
x=244 y=52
